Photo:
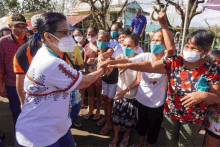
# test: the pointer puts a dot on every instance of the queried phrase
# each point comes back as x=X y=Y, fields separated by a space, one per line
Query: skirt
x=124 y=112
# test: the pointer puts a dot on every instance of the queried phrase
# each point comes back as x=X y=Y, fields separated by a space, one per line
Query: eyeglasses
x=66 y=32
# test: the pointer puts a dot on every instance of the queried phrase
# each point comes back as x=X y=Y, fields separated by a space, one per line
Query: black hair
x=124 y=31
x=135 y=38
x=31 y=32
x=94 y=29
x=139 y=9
x=118 y=24
x=46 y=23
x=78 y=29
x=105 y=33
x=212 y=55
x=202 y=38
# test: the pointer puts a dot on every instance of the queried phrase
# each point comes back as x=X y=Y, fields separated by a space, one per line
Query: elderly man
x=8 y=47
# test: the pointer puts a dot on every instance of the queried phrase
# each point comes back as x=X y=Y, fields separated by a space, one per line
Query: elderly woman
x=48 y=87
x=186 y=105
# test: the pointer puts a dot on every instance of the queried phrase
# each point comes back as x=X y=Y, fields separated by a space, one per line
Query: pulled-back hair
x=78 y=29
x=135 y=38
x=212 y=55
x=202 y=38
x=49 y=23
x=104 y=33
x=94 y=29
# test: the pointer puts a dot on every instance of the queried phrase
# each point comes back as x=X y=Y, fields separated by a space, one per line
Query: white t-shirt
x=117 y=51
x=152 y=89
x=48 y=87
x=126 y=79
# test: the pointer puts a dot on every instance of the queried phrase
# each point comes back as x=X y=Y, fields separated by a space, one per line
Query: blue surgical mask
x=114 y=34
x=156 y=48
x=128 y=51
x=102 y=44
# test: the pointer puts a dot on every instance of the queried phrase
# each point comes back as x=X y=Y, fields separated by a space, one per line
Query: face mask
x=128 y=51
x=102 y=44
x=79 y=38
x=114 y=34
x=156 y=48
x=92 y=39
x=66 y=44
x=191 y=56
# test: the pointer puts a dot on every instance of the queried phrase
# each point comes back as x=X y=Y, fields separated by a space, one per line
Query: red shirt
x=182 y=81
x=8 y=48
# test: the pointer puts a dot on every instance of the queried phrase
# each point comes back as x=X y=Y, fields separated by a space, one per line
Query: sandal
x=96 y=117
x=113 y=144
x=106 y=129
x=101 y=122
x=124 y=141
x=87 y=116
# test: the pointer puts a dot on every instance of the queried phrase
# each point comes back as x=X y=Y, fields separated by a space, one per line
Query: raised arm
x=168 y=39
x=151 y=67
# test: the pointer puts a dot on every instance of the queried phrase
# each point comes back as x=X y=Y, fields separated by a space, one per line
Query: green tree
x=8 y=7
x=37 y=5
x=99 y=9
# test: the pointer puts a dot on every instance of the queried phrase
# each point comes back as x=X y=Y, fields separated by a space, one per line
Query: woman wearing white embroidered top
x=48 y=87
x=152 y=89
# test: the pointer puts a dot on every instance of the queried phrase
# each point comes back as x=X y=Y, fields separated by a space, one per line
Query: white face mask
x=79 y=38
x=66 y=44
x=92 y=39
x=191 y=56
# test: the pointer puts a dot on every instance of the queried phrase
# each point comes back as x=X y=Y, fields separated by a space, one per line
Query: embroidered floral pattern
x=182 y=81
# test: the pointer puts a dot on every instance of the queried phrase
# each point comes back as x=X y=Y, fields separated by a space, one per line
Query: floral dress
x=213 y=120
x=181 y=81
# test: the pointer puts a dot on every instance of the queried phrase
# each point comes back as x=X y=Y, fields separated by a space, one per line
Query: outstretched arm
x=87 y=80
x=151 y=67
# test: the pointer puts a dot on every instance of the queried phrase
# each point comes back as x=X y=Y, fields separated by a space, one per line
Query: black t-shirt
x=23 y=57
x=112 y=78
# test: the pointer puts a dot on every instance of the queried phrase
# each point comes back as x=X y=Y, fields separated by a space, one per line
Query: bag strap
x=71 y=62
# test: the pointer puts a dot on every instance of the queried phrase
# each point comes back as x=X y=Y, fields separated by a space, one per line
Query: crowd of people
x=46 y=73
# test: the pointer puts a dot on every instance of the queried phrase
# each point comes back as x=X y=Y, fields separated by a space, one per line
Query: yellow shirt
x=76 y=56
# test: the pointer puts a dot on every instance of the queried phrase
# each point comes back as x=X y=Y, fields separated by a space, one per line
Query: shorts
x=109 y=89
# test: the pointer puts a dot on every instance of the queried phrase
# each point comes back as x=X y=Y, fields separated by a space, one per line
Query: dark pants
x=65 y=141
x=14 y=102
x=149 y=122
x=75 y=110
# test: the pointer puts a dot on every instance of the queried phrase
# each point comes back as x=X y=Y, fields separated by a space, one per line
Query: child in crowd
x=91 y=52
x=109 y=84
x=212 y=136
x=124 y=108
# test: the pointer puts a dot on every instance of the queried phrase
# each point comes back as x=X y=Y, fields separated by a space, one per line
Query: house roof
x=74 y=19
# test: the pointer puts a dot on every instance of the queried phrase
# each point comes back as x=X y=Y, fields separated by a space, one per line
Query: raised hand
x=162 y=18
